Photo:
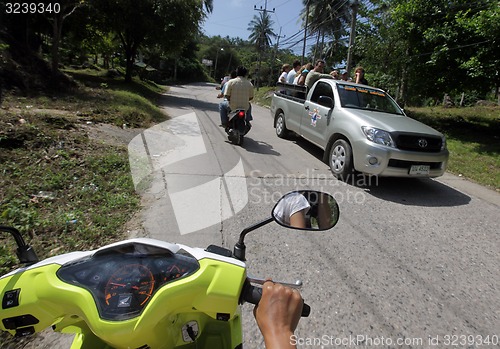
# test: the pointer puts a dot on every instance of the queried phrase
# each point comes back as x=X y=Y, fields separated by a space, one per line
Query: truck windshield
x=367 y=99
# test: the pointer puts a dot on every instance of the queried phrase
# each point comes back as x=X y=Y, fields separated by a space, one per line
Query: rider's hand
x=278 y=314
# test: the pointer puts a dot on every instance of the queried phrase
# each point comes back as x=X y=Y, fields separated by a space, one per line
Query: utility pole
x=354 y=7
x=305 y=34
x=216 y=59
x=265 y=10
x=275 y=53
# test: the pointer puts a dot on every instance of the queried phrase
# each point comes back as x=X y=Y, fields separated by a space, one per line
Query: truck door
x=316 y=117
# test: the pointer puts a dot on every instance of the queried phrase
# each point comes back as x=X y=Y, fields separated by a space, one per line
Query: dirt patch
x=110 y=134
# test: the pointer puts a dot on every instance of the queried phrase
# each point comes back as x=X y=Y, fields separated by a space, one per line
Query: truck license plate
x=420 y=170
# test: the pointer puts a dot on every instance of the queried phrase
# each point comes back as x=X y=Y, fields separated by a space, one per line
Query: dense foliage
x=423 y=49
x=419 y=50
x=121 y=32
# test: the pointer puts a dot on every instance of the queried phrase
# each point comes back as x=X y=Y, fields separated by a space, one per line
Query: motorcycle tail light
x=241 y=114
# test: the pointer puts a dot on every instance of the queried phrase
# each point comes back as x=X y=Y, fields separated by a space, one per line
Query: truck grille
x=417 y=142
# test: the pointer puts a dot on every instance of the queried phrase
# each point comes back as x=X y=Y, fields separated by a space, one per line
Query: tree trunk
x=56 y=39
x=130 y=51
x=175 y=68
x=129 y=65
x=316 y=48
x=321 y=51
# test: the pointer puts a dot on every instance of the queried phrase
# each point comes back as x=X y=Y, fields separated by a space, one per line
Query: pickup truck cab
x=360 y=128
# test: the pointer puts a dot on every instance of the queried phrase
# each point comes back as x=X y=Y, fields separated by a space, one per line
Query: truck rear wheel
x=280 y=125
x=340 y=159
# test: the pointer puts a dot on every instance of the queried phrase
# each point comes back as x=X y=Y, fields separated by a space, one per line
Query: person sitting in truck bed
x=316 y=74
x=292 y=73
x=300 y=77
x=284 y=72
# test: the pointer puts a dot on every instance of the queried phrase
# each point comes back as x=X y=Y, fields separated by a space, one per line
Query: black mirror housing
x=325 y=101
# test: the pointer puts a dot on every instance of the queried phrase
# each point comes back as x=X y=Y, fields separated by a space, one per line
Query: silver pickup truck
x=360 y=128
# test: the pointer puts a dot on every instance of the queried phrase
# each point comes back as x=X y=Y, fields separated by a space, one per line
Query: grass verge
x=62 y=189
x=473 y=137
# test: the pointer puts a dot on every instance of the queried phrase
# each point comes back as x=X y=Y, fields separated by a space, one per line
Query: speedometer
x=129 y=288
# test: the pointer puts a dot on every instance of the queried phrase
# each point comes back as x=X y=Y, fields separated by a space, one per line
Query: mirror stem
x=240 y=248
x=25 y=253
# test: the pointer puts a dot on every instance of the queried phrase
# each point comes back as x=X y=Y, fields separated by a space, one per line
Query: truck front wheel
x=280 y=125
x=340 y=159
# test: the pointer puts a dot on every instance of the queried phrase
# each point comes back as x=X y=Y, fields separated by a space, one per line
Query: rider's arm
x=278 y=314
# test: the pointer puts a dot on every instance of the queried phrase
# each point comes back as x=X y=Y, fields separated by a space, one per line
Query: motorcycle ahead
x=237 y=127
x=145 y=293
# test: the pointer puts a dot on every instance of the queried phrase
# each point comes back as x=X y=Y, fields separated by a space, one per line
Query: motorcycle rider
x=239 y=93
x=278 y=314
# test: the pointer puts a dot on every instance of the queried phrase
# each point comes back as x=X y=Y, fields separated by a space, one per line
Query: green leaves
x=432 y=47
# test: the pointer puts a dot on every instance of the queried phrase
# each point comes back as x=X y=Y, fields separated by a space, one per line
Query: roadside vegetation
x=472 y=133
x=473 y=138
x=61 y=188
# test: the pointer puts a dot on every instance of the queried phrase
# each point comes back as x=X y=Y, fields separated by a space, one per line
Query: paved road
x=413 y=262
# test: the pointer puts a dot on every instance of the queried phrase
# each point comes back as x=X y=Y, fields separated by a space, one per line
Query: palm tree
x=261 y=30
x=261 y=34
x=327 y=19
x=209 y=5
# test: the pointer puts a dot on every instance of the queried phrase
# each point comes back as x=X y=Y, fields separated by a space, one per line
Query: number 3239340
x=470 y=340
x=31 y=8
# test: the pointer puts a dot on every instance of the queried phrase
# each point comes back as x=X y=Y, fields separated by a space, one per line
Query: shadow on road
x=312 y=149
x=175 y=99
x=259 y=147
x=407 y=191
x=415 y=192
x=178 y=102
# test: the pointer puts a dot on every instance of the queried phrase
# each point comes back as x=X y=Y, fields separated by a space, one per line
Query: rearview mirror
x=307 y=210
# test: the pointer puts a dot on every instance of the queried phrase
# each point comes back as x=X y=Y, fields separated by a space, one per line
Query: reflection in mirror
x=307 y=210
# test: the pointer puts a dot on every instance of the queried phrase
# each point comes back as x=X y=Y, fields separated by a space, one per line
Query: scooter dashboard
x=123 y=280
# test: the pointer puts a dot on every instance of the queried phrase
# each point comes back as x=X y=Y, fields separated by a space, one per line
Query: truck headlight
x=443 y=143
x=378 y=136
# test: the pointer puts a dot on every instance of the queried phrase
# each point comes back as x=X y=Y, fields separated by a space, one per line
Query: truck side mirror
x=325 y=101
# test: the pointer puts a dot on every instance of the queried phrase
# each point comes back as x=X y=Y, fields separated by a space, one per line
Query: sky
x=232 y=17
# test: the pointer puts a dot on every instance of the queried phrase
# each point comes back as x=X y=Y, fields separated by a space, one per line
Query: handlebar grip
x=253 y=294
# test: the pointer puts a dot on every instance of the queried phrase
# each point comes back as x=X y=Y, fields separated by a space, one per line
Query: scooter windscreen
x=123 y=279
